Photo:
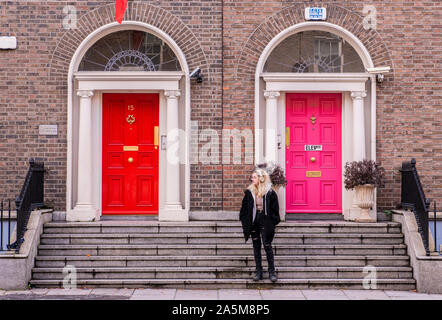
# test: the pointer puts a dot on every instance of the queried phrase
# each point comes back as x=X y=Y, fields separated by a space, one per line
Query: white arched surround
x=85 y=90
x=358 y=89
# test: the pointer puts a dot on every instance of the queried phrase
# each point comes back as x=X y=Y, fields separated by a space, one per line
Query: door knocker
x=130 y=119
x=313 y=119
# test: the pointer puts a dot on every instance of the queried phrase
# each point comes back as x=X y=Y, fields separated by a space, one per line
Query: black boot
x=272 y=276
x=271 y=262
x=258 y=275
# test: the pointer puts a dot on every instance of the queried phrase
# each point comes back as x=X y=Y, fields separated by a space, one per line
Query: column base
x=355 y=214
x=365 y=220
x=173 y=213
x=82 y=213
x=352 y=214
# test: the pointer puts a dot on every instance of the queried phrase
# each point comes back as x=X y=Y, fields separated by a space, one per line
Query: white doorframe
x=126 y=82
x=311 y=82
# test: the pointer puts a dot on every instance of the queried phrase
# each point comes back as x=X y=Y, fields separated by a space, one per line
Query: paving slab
x=396 y=294
x=324 y=295
x=245 y=294
x=282 y=294
x=366 y=294
x=68 y=292
x=183 y=294
x=37 y=291
x=153 y=294
x=436 y=296
x=112 y=292
x=18 y=292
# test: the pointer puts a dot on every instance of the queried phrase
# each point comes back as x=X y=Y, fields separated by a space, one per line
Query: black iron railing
x=413 y=198
x=30 y=198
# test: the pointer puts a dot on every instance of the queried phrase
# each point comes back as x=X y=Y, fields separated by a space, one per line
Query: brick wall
x=33 y=85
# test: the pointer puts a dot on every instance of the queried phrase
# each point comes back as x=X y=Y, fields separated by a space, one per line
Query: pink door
x=313 y=153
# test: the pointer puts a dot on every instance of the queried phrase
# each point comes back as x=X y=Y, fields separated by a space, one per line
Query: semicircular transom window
x=130 y=50
x=314 y=51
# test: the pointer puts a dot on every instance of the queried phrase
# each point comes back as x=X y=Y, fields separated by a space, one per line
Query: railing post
x=9 y=222
x=1 y=227
x=435 y=229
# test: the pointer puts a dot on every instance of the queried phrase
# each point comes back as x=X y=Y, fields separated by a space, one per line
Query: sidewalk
x=221 y=294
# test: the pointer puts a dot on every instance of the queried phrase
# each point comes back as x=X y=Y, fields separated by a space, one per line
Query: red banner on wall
x=120 y=9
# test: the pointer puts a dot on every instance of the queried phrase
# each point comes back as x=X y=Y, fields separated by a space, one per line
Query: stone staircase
x=213 y=255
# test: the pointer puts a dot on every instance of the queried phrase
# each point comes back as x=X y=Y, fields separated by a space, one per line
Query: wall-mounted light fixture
x=196 y=74
x=379 y=72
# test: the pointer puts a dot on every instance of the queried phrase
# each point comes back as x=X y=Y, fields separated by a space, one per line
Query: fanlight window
x=314 y=51
x=130 y=50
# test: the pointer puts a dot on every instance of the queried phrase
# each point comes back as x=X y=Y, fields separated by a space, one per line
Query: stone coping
x=15 y=267
x=427 y=270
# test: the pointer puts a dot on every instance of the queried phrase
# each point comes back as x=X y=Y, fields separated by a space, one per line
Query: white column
x=359 y=149
x=271 y=125
x=358 y=125
x=84 y=209
x=173 y=208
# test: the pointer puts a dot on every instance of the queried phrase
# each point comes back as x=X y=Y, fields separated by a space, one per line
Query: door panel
x=130 y=156
x=314 y=155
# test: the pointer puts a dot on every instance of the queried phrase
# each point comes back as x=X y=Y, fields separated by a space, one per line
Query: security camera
x=379 y=72
x=196 y=74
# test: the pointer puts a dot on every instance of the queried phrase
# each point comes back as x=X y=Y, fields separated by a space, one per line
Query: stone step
x=209 y=227
x=221 y=273
x=217 y=238
x=219 y=261
x=217 y=249
x=381 y=284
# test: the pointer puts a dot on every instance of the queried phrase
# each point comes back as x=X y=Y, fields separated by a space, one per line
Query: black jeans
x=258 y=231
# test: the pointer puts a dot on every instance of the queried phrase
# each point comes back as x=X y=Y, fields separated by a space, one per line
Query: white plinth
x=82 y=214
x=173 y=213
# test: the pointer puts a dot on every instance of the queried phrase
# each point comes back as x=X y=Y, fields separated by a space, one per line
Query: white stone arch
x=169 y=85
x=270 y=86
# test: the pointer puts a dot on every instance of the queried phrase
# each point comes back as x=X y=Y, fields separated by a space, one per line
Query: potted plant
x=277 y=178
x=276 y=174
x=364 y=176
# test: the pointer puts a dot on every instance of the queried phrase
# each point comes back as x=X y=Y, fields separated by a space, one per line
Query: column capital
x=271 y=94
x=85 y=93
x=358 y=95
x=172 y=94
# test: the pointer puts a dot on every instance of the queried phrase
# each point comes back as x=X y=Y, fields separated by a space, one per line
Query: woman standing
x=259 y=215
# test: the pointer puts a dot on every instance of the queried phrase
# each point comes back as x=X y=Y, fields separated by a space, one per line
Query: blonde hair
x=260 y=190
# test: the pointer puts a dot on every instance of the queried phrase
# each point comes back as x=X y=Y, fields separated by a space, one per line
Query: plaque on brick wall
x=8 y=42
x=48 y=129
x=315 y=13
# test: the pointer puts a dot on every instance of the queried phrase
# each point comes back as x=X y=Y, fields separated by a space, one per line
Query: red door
x=130 y=153
x=313 y=153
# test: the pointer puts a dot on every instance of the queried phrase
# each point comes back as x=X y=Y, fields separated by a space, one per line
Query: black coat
x=271 y=218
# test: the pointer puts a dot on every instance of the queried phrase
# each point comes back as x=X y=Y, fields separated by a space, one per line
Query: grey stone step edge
x=217 y=223
x=220 y=269
x=220 y=257
x=216 y=235
x=381 y=284
x=391 y=229
x=220 y=246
